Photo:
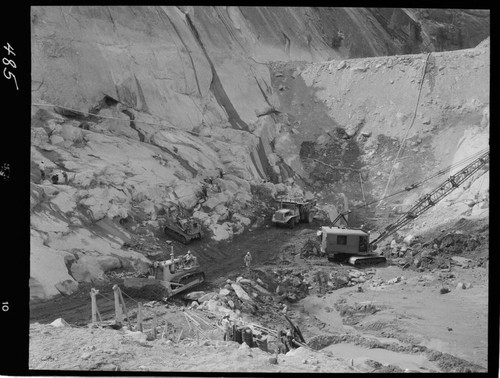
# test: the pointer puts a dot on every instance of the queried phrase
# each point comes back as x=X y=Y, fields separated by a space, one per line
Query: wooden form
x=139 y=316
x=120 y=307
x=95 y=310
x=155 y=324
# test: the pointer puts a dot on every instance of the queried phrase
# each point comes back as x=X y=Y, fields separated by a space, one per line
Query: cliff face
x=191 y=66
x=139 y=104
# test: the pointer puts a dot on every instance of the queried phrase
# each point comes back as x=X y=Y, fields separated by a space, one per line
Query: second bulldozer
x=179 y=229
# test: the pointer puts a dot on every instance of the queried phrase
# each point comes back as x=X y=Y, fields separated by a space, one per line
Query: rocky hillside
x=138 y=105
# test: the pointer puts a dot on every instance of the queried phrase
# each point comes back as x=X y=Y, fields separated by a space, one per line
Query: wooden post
x=124 y=308
x=118 y=307
x=155 y=323
x=164 y=333
x=93 y=293
x=139 y=316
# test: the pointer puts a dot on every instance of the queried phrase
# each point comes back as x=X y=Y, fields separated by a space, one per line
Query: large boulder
x=48 y=272
x=71 y=133
x=206 y=297
x=221 y=231
x=67 y=287
x=90 y=268
x=242 y=294
x=215 y=200
x=194 y=295
x=39 y=136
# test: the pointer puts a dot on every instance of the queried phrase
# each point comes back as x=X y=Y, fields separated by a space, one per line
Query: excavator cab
x=338 y=242
x=342 y=243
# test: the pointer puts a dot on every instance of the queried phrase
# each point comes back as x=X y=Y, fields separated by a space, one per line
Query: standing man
x=188 y=259
x=65 y=175
x=42 y=169
x=248 y=260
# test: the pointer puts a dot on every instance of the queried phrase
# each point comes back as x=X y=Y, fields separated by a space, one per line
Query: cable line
x=420 y=182
x=411 y=123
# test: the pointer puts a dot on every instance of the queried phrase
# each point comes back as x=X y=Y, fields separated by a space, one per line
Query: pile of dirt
x=327 y=281
x=438 y=249
x=310 y=247
x=457 y=243
x=381 y=368
x=452 y=364
x=353 y=314
x=292 y=285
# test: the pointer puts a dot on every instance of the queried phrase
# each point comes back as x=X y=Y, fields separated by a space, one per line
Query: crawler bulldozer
x=181 y=230
x=175 y=275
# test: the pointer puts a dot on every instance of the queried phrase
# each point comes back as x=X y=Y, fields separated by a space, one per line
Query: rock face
x=145 y=103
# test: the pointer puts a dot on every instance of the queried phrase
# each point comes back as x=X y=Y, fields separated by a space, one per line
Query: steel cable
x=411 y=123
x=438 y=173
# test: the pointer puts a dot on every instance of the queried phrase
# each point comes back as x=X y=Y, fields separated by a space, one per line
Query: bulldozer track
x=187 y=279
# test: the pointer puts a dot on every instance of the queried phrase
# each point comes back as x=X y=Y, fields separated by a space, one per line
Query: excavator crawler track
x=366 y=260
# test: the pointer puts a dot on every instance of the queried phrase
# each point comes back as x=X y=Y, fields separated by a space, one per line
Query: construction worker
x=188 y=259
x=42 y=169
x=248 y=260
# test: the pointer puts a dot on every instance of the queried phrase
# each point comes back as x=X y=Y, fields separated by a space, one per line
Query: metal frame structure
x=430 y=199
